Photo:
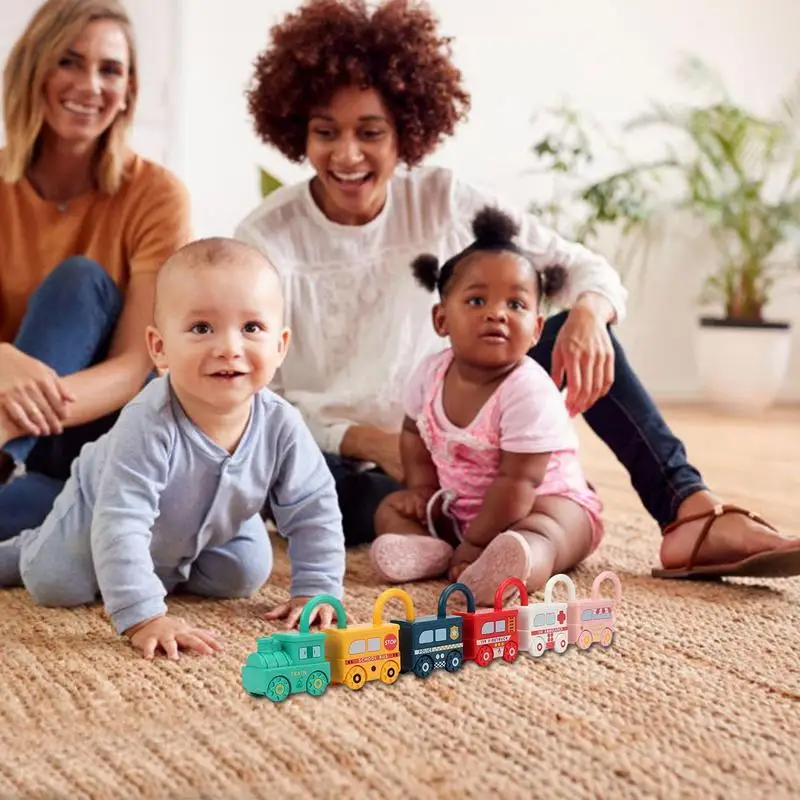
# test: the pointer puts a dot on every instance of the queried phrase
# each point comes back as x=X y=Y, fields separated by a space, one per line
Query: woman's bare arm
x=107 y=386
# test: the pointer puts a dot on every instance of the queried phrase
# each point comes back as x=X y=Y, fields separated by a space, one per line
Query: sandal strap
x=711 y=517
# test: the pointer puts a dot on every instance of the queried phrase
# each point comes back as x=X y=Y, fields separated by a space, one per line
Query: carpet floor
x=698 y=697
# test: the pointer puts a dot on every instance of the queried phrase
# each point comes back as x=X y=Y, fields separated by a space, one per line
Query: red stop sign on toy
x=389 y=641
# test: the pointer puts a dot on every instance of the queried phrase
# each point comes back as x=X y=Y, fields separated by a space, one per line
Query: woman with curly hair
x=85 y=224
x=364 y=96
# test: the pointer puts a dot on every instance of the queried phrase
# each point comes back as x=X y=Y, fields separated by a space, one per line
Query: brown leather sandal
x=767 y=564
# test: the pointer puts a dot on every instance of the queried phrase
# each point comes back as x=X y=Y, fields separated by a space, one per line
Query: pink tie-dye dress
x=525 y=414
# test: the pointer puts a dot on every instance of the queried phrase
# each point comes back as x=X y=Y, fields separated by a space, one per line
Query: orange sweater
x=135 y=230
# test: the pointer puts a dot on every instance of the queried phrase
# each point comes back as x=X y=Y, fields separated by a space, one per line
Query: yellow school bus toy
x=361 y=653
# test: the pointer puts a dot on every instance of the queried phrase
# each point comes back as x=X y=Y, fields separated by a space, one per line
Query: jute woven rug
x=699 y=697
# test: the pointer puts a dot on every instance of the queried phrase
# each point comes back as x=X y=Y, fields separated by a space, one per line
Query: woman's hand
x=31 y=394
x=584 y=353
x=170 y=634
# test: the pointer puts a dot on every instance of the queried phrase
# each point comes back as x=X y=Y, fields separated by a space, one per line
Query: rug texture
x=699 y=697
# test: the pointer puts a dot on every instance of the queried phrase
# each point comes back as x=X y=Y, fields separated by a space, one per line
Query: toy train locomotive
x=291 y=662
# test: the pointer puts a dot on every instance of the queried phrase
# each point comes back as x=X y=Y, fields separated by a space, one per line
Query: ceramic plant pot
x=742 y=365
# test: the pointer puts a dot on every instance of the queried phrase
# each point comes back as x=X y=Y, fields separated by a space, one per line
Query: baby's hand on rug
x=292 y=610
x=464 y=555
x=171 y=633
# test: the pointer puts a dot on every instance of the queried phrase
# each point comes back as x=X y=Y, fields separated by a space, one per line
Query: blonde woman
x=85 y=225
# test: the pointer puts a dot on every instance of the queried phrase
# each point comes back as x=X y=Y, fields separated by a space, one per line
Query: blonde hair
x=34 y=55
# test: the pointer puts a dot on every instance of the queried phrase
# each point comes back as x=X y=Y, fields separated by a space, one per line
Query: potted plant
x=583 y=206
x=739 y=174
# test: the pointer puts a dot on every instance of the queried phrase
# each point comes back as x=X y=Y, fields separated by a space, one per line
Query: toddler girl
x=494 y=484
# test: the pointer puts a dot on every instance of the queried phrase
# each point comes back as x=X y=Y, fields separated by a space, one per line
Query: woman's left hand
x=584 y=353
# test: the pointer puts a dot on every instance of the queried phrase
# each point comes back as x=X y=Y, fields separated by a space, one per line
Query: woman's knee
x=78 y=278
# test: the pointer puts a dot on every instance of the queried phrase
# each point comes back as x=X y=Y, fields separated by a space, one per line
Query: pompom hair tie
x=494 y=231
x=494 y=228
x=426 y=271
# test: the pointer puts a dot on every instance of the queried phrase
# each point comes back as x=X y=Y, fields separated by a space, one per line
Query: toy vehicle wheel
x=560 y=643
x=606 y=637
x=390 y=672
x=585 y=640
x=453 y=662
x=538 y=646
x=510 y=652
x=484 y=656
x=356 y=678
x=317 y=683
x=278 y=688
x=423 y=667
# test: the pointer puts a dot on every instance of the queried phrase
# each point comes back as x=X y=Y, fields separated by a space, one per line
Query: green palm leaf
x=268 y=182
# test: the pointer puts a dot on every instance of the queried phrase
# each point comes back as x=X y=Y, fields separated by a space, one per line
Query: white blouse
x=360 y=323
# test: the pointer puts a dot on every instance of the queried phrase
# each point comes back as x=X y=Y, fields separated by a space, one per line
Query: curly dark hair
x=330 y=44
x=494 y=231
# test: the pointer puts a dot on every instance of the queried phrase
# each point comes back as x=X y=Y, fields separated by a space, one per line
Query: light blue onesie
x=155 y=503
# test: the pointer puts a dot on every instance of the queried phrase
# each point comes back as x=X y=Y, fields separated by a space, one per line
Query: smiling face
x=219 y=333
x=352 y=145
x=89 y=86
x=490 y=310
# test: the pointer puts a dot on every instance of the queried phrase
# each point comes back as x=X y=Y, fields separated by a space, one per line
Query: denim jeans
x=626 y=419
x=68 y=325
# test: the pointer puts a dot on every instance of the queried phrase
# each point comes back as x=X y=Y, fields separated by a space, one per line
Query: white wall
x=611 y=58
x=518 y=56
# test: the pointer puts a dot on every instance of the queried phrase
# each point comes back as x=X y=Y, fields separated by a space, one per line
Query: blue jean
x=68 y=325
x=626 y=419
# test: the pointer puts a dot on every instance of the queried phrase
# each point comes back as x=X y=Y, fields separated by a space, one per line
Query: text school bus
x=361 y=653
